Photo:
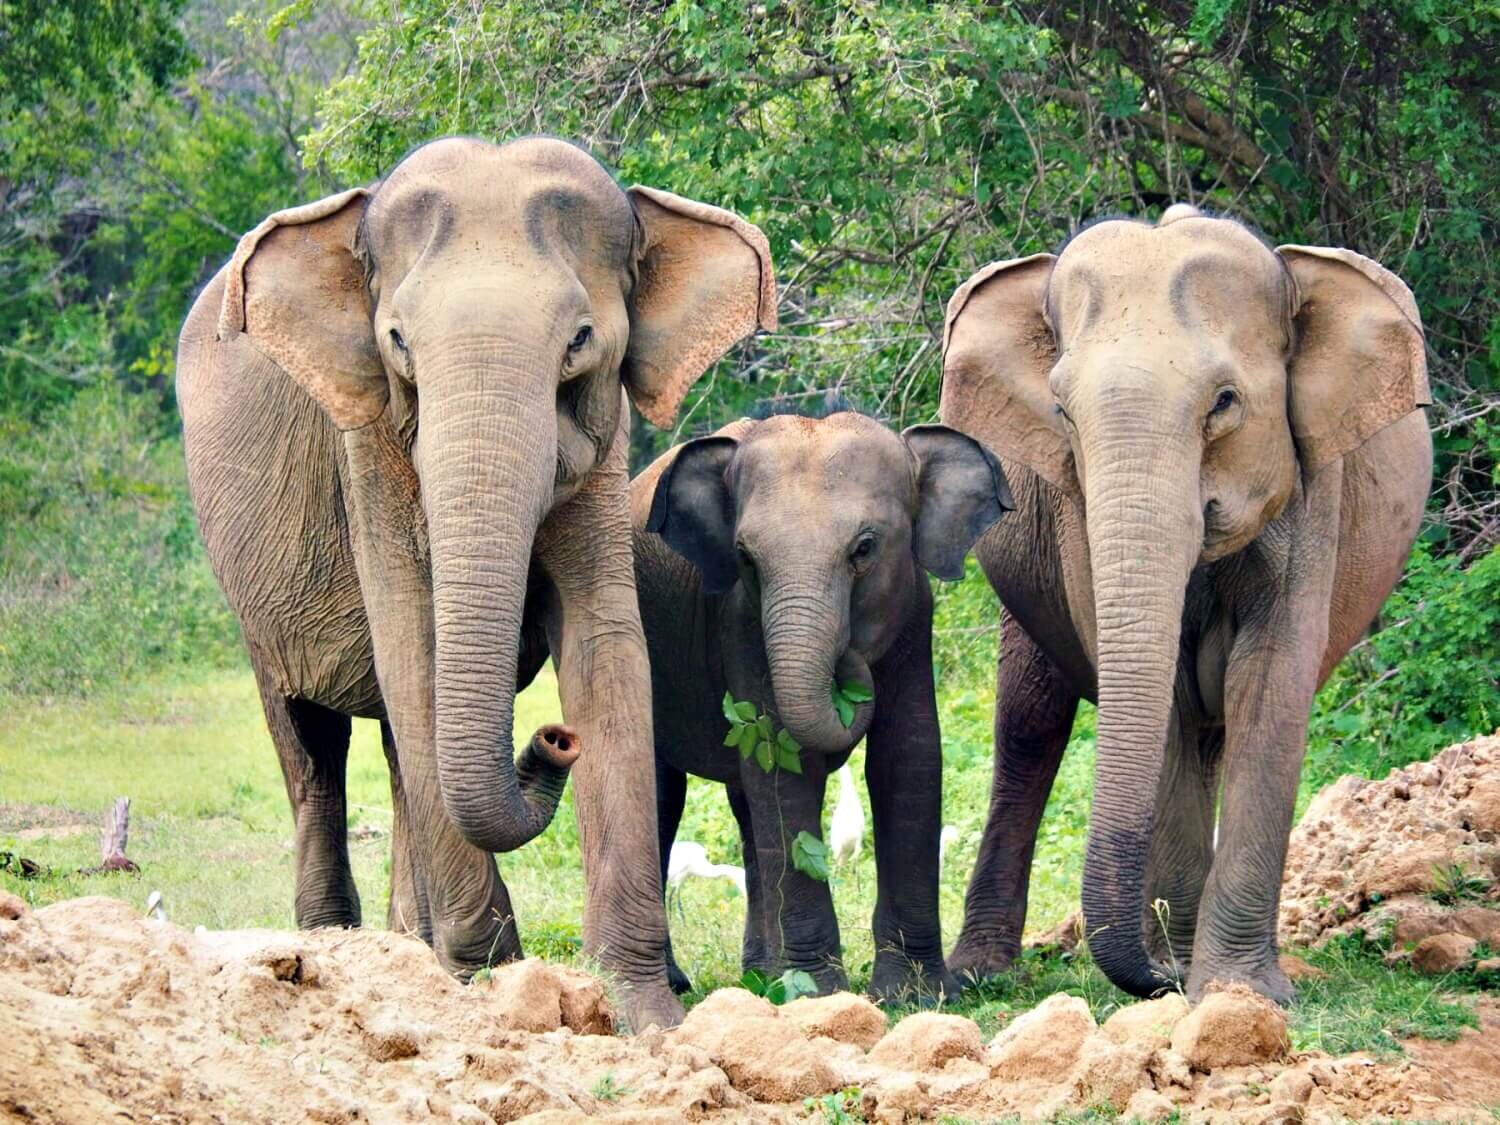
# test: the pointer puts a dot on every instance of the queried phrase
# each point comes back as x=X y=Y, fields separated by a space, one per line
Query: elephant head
x=1178 y=382
x=488 y=303
x=821 y=526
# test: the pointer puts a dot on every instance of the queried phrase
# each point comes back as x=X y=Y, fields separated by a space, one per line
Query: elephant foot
x=1265 y=976
x=464 y=951
x=902 y=981
x=976 y=959
x=330 y=916
x=639 y=1006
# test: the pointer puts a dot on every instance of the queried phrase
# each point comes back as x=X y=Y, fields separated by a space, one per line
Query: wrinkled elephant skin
x=775 y=561
x=403 y=414
x=1220 y=464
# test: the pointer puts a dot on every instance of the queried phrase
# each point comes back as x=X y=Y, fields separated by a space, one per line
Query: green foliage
x=840 y=1108
x=1428 y=678
x=607 y=1089
x=1454 y=885
x=779 y=990
x=845 y=696
x=102 y=576
x=811 y=856
x=754 y=736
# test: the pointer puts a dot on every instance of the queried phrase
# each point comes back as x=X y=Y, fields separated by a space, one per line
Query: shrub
x=1428 y=678
x=102 y=575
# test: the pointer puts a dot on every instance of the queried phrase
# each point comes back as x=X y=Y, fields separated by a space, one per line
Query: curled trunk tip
x=557 y=745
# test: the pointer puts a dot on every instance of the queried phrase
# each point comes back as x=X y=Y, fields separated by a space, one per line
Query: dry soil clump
x=104 y=1012
x=1415 y=857
x=107 y=1015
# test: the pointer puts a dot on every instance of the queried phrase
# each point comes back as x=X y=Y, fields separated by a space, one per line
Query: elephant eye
x=583 y=336
x=398 y=339
x=863 y=549
x=1223 y=402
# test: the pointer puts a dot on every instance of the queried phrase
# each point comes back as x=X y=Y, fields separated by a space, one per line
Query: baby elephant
x=780 y=562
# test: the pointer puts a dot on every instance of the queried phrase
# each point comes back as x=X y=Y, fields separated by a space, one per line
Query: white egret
x=689 y=860
x=846 y=831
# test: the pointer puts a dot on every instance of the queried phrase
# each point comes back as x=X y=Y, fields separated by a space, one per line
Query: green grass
x=211 y=829
x=1362 y=1004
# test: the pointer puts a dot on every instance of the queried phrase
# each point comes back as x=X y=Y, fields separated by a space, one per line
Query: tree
x=888 y=149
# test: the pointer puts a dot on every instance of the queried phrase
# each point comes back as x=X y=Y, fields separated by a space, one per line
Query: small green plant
x=839 y=1108
x=779 y=990
x=1454 y=884
x=753 y=735
x=845 y=696
x=606 y=1089
x=483 y=976
x=1363 y=1004
x=810 y=856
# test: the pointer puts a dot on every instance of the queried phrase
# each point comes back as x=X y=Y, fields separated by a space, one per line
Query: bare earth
x=107 y=1015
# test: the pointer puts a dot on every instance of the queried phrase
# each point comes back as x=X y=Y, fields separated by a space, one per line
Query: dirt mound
x=104 y=1012
x=1415 y=857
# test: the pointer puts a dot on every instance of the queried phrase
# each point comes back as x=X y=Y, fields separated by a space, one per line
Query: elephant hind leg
x=1182 y=845
x=671 y=797
x=312 y=743
x=1034 y=709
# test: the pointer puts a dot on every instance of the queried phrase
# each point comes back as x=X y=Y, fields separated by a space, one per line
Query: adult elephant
x=405 y=440
x=1220 y=465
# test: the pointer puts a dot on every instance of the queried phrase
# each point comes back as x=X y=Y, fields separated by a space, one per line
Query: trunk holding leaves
x=806 y=626
x=1145 y=533
x=487 y=459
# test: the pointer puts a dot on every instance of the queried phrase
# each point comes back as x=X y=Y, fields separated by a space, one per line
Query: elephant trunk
x=1145 y=533
x=486 y=457
x=806 y=626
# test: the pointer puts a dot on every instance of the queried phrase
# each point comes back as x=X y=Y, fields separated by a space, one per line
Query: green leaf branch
x=752 y=734
x=811 y=856
x=845 y=696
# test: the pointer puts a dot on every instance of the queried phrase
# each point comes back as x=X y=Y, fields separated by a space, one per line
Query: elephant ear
x=295 y=288
x=1359 y=362
x=693 y=510
x=704 y=282
x=961 y=492
x=998 y=352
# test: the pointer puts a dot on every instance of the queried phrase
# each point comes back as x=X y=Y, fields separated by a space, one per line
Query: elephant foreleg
x=604 y=677
x=312 y=743
x=1034 y=712
x=801 y=927
x=904 y=772
x=409 y=911
x=1269 y=684
x=755 y=952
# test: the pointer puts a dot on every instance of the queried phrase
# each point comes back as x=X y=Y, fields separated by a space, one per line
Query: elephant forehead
x=843 y=457
x=534 y=196
x=1195 y=273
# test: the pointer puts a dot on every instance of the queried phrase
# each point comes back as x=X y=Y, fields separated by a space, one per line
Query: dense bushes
x=102 y=577
x=1428 y=677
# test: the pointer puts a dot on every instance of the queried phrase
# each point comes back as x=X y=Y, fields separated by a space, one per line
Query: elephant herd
x=1190 y=466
